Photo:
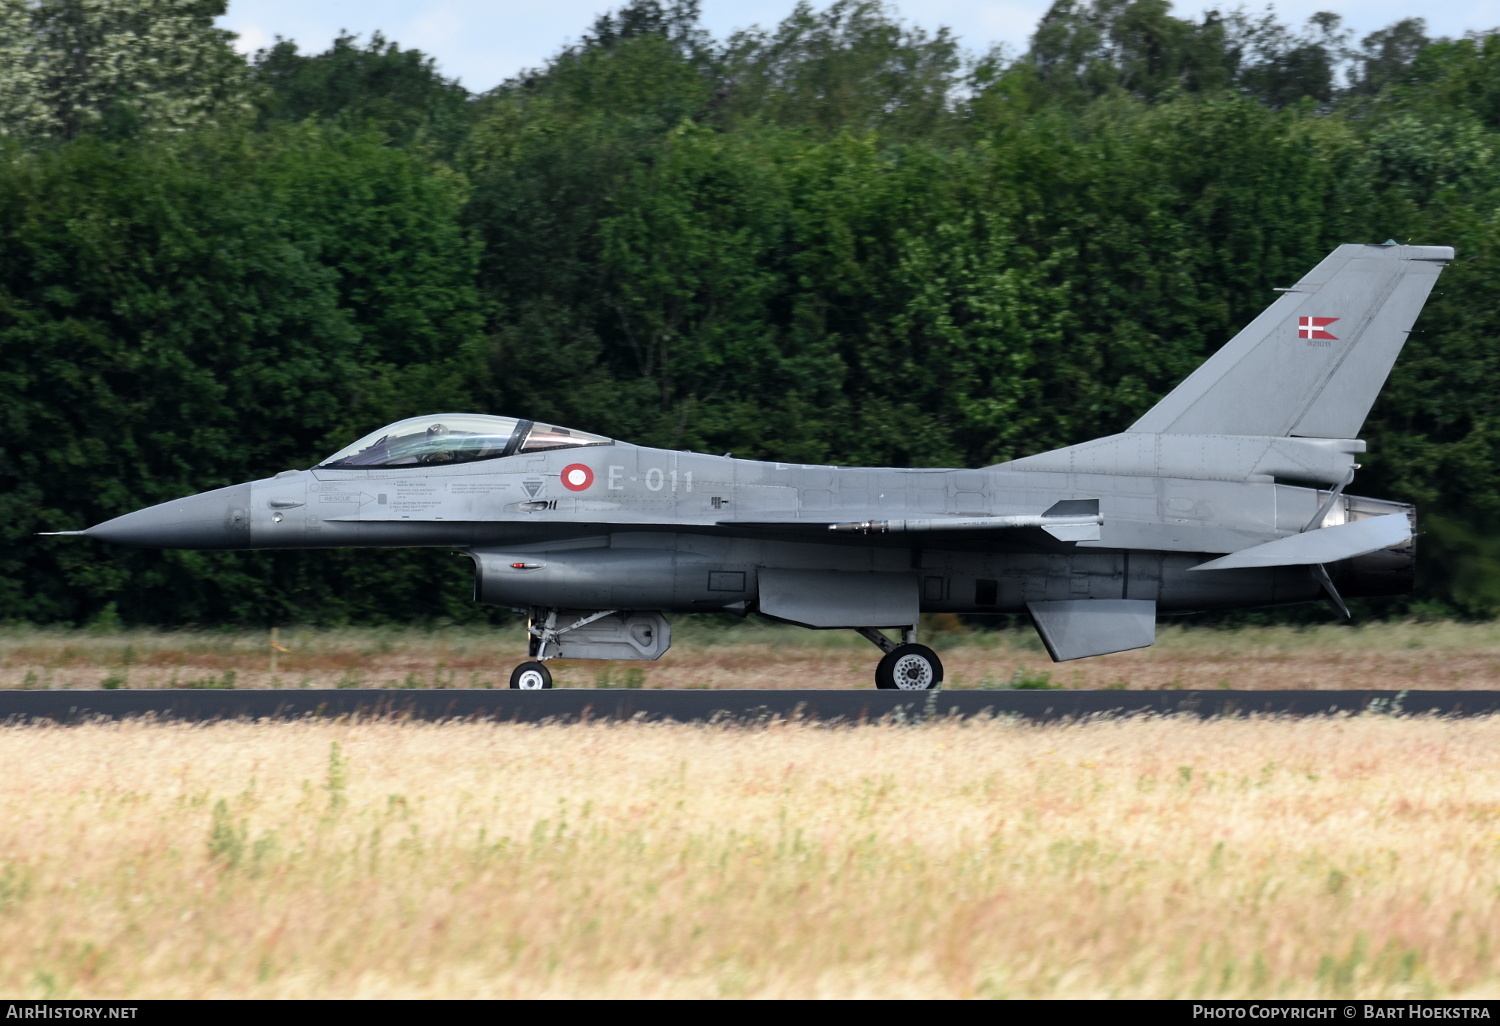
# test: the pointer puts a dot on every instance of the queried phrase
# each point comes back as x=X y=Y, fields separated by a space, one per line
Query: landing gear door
x=834 y=598
x=616 y=636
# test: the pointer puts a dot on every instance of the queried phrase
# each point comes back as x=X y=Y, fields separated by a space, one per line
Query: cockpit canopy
x=455 y=438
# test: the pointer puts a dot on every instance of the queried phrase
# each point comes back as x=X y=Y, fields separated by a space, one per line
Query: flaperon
x=1229 y=492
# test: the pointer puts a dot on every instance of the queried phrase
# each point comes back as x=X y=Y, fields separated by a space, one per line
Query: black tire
x=532 y=676
x=909 y=668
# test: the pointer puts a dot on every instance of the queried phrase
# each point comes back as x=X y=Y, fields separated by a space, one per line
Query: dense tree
x=1453 y=76
x=174 y=318
x=1280 y=67
x=1388 y=56
x=1088 y=48
x=71 y=66
x=848 y=68
x=379 y=85
x=836 y=240
x=674 y=23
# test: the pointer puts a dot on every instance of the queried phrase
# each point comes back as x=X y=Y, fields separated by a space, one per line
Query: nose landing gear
x=543 y=627
x=531 y=676
x=588 y=634
x=906 y=666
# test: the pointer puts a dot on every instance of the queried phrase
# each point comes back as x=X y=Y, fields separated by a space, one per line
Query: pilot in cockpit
x=436 y=450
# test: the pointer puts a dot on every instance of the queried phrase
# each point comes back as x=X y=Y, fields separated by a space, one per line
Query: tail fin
x=1287 y=396
x=1311 y=365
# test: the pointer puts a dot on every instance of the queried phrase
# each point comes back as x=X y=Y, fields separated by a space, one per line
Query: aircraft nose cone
x=219 y=519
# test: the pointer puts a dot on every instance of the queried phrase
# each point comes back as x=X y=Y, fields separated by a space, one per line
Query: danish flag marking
x=1312 y=327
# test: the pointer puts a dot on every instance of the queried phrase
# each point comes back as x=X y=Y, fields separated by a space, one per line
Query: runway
x=573 y=705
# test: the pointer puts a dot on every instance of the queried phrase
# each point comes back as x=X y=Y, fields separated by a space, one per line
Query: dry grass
x=1160 y=858
x=1392 y=656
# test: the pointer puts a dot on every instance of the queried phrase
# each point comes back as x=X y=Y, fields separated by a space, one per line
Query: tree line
x=841 y=239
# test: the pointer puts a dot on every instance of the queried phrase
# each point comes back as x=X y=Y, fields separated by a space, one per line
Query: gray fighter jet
x=1229 y=492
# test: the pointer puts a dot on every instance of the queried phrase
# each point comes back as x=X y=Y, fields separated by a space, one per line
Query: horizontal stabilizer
x=1089 y=627
x=1325 y=545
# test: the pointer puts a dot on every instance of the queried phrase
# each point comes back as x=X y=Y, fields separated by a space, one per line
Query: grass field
x=755 y=655
x=1149 y=858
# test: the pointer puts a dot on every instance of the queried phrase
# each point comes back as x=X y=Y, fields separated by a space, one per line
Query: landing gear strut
x=541 y=624
x=906 y=666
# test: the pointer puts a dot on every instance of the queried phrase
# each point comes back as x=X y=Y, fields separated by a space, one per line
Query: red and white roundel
x=576 y=477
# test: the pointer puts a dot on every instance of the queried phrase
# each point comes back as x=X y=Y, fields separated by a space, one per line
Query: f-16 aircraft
x=1229 y=492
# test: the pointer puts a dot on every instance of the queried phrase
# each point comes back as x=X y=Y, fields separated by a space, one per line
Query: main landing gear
x=906 y=666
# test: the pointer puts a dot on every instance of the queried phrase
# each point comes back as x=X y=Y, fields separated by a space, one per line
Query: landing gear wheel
x=532 y=676
x=909 y=668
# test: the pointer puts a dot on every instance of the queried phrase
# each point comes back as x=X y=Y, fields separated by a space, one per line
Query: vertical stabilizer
x=1311 y=365
x=1287 y=396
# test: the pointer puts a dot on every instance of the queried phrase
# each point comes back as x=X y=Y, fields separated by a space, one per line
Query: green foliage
x=829 y=241
x=1087 y=49
x=1388 y=56
x=380 y=86
x=185 y=314
x=114 y=66
x=1094 y=48
x=847 y=68
x=212 y=682
x=612 y=676
x=338 y=778
x=1462 y=564
x=226 y=839
x=1456 y=75
x=1022 y=680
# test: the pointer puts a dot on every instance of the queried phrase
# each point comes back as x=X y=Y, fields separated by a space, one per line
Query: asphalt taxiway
x=573 y=705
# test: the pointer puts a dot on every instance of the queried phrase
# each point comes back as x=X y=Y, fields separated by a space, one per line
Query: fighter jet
x=1228 y=492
